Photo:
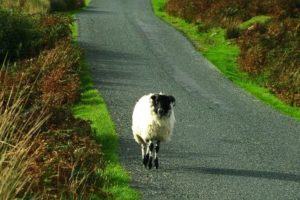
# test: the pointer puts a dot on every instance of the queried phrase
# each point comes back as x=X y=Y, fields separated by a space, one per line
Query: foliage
x=42 y=6
x=45 y=153
x=26 y=6
x=59 y=84
x=228 y=12
x=19 y=35
x=65 y=5
x=69 y=159
x=223 y=54
x=267 y=33
x=24 y=36
x=273 y=50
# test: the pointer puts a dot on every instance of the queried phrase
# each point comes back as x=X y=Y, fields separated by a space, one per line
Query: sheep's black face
x=162 y=104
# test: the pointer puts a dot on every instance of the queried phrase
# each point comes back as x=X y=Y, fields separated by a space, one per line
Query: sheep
x=153 y=122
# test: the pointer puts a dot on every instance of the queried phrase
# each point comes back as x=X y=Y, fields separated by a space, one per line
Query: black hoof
x=150 y=163
x=156 y=163
x=146 y=160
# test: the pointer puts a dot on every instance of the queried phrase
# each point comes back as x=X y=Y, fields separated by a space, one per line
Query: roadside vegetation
x=92 y=108
x=254 y=43
x=47 y=149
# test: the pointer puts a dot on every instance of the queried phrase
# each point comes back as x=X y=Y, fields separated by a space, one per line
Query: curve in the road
x=227 y=145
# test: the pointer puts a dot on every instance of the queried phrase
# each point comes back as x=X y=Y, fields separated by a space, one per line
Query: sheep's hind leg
x=155 y=154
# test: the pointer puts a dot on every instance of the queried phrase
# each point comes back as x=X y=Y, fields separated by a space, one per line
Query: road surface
x=226 y=144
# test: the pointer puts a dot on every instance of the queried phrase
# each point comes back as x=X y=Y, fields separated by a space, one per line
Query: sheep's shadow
x=239 y=172
x=134 y=154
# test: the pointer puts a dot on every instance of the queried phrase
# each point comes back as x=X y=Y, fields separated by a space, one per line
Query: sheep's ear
x=154 y=97
x=172 y=100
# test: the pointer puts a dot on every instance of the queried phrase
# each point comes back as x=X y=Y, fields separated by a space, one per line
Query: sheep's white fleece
x=146 y=125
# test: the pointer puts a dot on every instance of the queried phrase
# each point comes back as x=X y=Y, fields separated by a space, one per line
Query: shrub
x=65 y=5
x=54 y=28
x=225 y=13
x=27 y=6
x=23 y=36
x=272 y=49
x=55 y=75
x=62 y=160
x=20 y=35
x=269 y=40
x=69 y=160
x=253 y=53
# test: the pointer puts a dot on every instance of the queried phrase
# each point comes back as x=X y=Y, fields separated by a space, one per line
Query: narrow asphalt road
x=226 y=145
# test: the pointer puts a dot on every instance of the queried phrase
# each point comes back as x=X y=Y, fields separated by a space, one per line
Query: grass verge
x=261 y=19
x=93 y=108
x=223 y=54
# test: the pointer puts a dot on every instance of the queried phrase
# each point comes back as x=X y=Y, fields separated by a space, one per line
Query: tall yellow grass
x=17 y=138
x=28 y=6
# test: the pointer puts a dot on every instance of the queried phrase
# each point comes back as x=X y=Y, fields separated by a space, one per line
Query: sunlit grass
x=223 y=54
x=261 y=19
x=93 y=108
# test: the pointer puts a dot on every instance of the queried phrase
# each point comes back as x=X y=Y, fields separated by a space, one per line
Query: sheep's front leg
x=146 y=156
x=151 y=148
x=147 y=161
x=155 y=154
x=143 y=151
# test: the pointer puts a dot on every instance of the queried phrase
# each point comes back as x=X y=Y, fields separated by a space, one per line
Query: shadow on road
x=242 y=173
x=89 y=10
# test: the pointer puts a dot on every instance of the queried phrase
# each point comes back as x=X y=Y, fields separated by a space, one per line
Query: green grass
x=93 y=108
x=261 y=19
x=223 y=54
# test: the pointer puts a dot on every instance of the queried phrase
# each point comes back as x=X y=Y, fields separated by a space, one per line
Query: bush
x=65 y=5
x=55 y=75
x=272 y=49
x=227 y=12
x=45 y=154
x=54 y=28
x=26 y=6
x=23 y=36
x=55 y=157
x=20 y=35
x=267 y=33
x=68 y=159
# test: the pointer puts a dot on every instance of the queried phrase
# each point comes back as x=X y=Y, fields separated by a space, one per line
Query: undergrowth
x=223 y=54
x=267 y=33
x=55 y=157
